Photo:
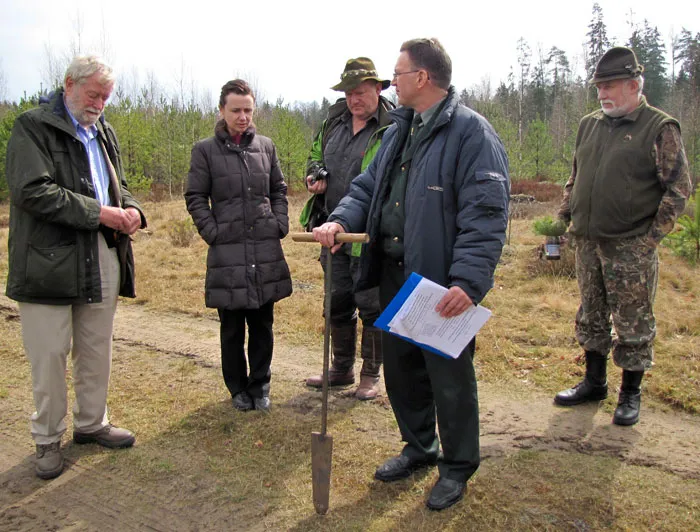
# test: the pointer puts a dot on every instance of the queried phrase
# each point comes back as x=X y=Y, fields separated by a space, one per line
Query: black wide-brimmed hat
x=617 y=63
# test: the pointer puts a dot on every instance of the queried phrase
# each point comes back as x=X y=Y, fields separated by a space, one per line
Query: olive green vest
x=616 y=193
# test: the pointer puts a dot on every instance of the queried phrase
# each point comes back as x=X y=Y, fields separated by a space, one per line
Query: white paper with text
x=417 y=320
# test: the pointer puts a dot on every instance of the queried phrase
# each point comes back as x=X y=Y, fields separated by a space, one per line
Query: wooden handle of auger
x=339 y=237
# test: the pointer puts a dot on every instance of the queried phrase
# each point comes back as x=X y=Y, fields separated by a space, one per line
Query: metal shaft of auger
x=326 y=341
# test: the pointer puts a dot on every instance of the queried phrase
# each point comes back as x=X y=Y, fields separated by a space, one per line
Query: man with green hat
x=629 y=183
x=345 y=145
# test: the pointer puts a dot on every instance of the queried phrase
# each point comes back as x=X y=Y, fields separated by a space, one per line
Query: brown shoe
x=368 y=388
x=335 y=378
x=108 y=436
x=49 y=460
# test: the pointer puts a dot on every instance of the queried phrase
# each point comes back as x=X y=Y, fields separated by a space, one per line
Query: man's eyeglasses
x=397 y=74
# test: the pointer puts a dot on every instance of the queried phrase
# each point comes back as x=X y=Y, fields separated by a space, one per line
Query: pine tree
x=464 y=98
x=524 y=57
x=539 y=90
x=559 y=70
x=292 y=137
x=598 y=42
x=538 y=152
x=3 y=83
x=649 y=48
x=689 y=57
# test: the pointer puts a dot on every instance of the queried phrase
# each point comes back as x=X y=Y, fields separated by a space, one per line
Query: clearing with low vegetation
x=200 y=465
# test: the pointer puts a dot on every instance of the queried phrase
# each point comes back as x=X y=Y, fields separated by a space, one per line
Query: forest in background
x=535 y=111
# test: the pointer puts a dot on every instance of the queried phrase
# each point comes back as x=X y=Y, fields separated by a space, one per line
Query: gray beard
x=614 y=113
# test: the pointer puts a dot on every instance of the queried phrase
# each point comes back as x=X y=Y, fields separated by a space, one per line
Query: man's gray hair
x=85 y=66
x=430 y=55
x=640 y=84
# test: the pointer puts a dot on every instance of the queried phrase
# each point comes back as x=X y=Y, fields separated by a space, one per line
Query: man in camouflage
x=629 y=183
x=346 y=144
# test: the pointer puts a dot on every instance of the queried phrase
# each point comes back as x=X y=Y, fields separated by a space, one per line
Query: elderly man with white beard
x=629 y=183
x=71 y=215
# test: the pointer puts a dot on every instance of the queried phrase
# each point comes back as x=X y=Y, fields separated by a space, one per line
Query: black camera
x=317 y=171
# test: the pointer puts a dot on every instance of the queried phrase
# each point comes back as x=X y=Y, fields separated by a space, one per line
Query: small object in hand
x=317 y=172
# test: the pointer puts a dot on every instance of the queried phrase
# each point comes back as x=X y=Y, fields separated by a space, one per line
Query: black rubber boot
x=627 y=411
x=342 y=370
x=593 y=387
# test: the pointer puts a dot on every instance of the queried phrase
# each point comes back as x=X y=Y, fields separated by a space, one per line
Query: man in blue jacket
x=434 y=201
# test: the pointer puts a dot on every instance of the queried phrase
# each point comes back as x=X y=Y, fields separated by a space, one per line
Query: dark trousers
x=422 y=387
x=260 y=343
x=345 y=301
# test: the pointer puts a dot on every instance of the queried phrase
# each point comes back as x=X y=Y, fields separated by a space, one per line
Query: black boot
x=342 y=370
x=593 y=387
x=627 y=411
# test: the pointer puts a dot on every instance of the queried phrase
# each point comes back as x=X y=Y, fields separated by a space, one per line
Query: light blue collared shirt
x=98 y=168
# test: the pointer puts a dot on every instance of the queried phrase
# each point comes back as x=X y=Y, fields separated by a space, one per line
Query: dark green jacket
x=337 y=188
x=334 y=113
x=616 y=190
x=54 y=213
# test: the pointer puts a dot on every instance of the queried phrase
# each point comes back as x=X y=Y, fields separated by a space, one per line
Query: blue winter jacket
x=456 y=204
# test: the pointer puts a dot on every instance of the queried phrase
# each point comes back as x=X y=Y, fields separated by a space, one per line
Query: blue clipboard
x=382 y=322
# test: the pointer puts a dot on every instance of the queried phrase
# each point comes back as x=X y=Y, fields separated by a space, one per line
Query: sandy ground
x=667 y=441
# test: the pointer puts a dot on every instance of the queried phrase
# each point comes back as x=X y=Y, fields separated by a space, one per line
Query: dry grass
x=251 y=471
x=257 y=467
x=528 y=342
x=531 y=340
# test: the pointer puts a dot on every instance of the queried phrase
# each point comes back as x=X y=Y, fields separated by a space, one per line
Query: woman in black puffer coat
x=237 y=198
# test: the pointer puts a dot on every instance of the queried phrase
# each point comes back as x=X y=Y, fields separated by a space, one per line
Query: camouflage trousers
x=617 y=279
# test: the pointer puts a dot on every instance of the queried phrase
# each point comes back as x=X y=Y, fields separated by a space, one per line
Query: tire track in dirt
x=76 y=499
x=197 y=338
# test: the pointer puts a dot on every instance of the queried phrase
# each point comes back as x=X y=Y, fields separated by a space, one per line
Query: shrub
x=182 y=233
x=685 y=240
x=547 y=226
x=540 y=190
x=139 y=184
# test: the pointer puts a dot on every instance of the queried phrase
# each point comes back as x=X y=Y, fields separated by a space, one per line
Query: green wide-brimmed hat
x=617 y=63
x=356 y=71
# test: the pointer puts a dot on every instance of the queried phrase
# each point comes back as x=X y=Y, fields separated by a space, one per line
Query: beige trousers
x=48 y=332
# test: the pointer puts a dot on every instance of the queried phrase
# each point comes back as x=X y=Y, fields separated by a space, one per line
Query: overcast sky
x=297 y=49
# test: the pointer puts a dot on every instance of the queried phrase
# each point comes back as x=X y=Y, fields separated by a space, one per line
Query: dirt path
x=662 y=440
x=669 y=441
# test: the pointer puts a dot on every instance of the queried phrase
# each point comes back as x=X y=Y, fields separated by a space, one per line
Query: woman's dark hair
x=429 y=54
x=235 y=86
